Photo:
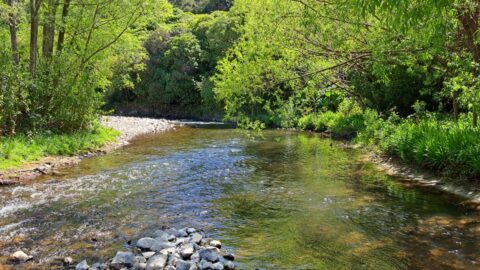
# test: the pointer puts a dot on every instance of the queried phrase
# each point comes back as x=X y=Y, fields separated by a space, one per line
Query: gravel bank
x=129 y=127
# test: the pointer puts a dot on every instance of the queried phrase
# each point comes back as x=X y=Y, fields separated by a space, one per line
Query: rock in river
x=83 y=265
x=123 y=259
x=146 y=243
x=209 y=255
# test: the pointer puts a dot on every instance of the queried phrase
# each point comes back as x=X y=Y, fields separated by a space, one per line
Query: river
x=281 y=200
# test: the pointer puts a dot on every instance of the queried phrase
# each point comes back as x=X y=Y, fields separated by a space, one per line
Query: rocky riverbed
x=166 y=249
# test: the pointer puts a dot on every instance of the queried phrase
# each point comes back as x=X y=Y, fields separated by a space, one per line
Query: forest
x=399 y=77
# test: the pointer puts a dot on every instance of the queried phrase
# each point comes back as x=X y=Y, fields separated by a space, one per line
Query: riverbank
x=116 y=131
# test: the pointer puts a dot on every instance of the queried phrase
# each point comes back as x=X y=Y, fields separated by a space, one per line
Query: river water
x=282 y=200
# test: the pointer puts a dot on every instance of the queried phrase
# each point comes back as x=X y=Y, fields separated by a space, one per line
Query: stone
x=20 y=256
x=216 y=243
x=217 y=266
x=183 y=265
x=170 y=267
x=196 y=238
x=187 y=251
x=146 y=243
x=209 y=254
x=123 y=259
x=168 y=251
x=67 y=260
x=195 y=257
x=228 y=265
x=140 y=259
x=158 y=246
x=140 y=266
x=83 y=265
x=205 y=265
x=147 y=255
x=98 y=266
x=229 y=256
x=191 y=230
x=173 y=258
x=182 y=240
x=181 y=233
x=194 y=267
x=157 y=262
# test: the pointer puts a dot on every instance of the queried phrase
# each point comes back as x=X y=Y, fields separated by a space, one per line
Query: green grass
x=15 y=151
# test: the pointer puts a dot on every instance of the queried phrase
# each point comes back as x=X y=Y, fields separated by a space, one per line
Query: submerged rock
x=83 y=265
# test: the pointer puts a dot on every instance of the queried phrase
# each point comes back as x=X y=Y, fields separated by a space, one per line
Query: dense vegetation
x=399 y=75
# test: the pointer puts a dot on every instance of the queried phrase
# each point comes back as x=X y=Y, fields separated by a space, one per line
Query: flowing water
x=284 y=200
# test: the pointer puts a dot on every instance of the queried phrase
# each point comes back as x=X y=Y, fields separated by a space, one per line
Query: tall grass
x=446 y=145
x=17 y=150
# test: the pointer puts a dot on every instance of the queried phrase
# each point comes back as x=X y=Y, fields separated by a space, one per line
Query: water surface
x=284 y=200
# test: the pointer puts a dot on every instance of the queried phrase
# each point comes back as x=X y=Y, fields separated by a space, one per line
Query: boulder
x=196 y=238
x=183 y=265
x=216 y=243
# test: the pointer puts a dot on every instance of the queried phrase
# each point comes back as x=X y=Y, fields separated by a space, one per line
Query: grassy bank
x=432 y=141
x=15 y=151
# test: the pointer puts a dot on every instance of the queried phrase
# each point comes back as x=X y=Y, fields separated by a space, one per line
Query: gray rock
x=194 y=267
x=83 y=265
x=183 y=265
x=181 y=233
x=195 y=257
x=140 y=259
x=205 y=265
x=191 y=230
x=123 y=259
x=187 y=251
x=216 y=243
x=196 y=238
x=171 y=231
x=182 y=240
x=170 y=267
x=149 y=254
x=168 y=251
x=146 y=243
x=228 y=265
x=217 y=266
x=209 y=254
x=173 y=258
x=158 y=246
x=140 y=266
x=20 y=256
x=157 y=262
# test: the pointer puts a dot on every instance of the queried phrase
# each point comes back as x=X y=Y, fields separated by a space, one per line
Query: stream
x=282 y=200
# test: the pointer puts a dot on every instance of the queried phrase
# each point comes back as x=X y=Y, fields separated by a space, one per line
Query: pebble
x=123 y=259
x=209 y=254
x=157 y=262
x=20 y=256
x=146 y=243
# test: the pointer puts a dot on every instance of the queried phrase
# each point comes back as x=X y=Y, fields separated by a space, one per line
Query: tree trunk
x=12 y=26
x=61 y=32
x=34 y=8
x=456 y=106
x=49 y=28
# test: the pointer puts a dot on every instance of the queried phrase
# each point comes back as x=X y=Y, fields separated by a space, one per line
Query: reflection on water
x=281 y=201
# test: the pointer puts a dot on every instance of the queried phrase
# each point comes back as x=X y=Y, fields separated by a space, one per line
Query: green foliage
x=202 y=6
x=22 y=148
